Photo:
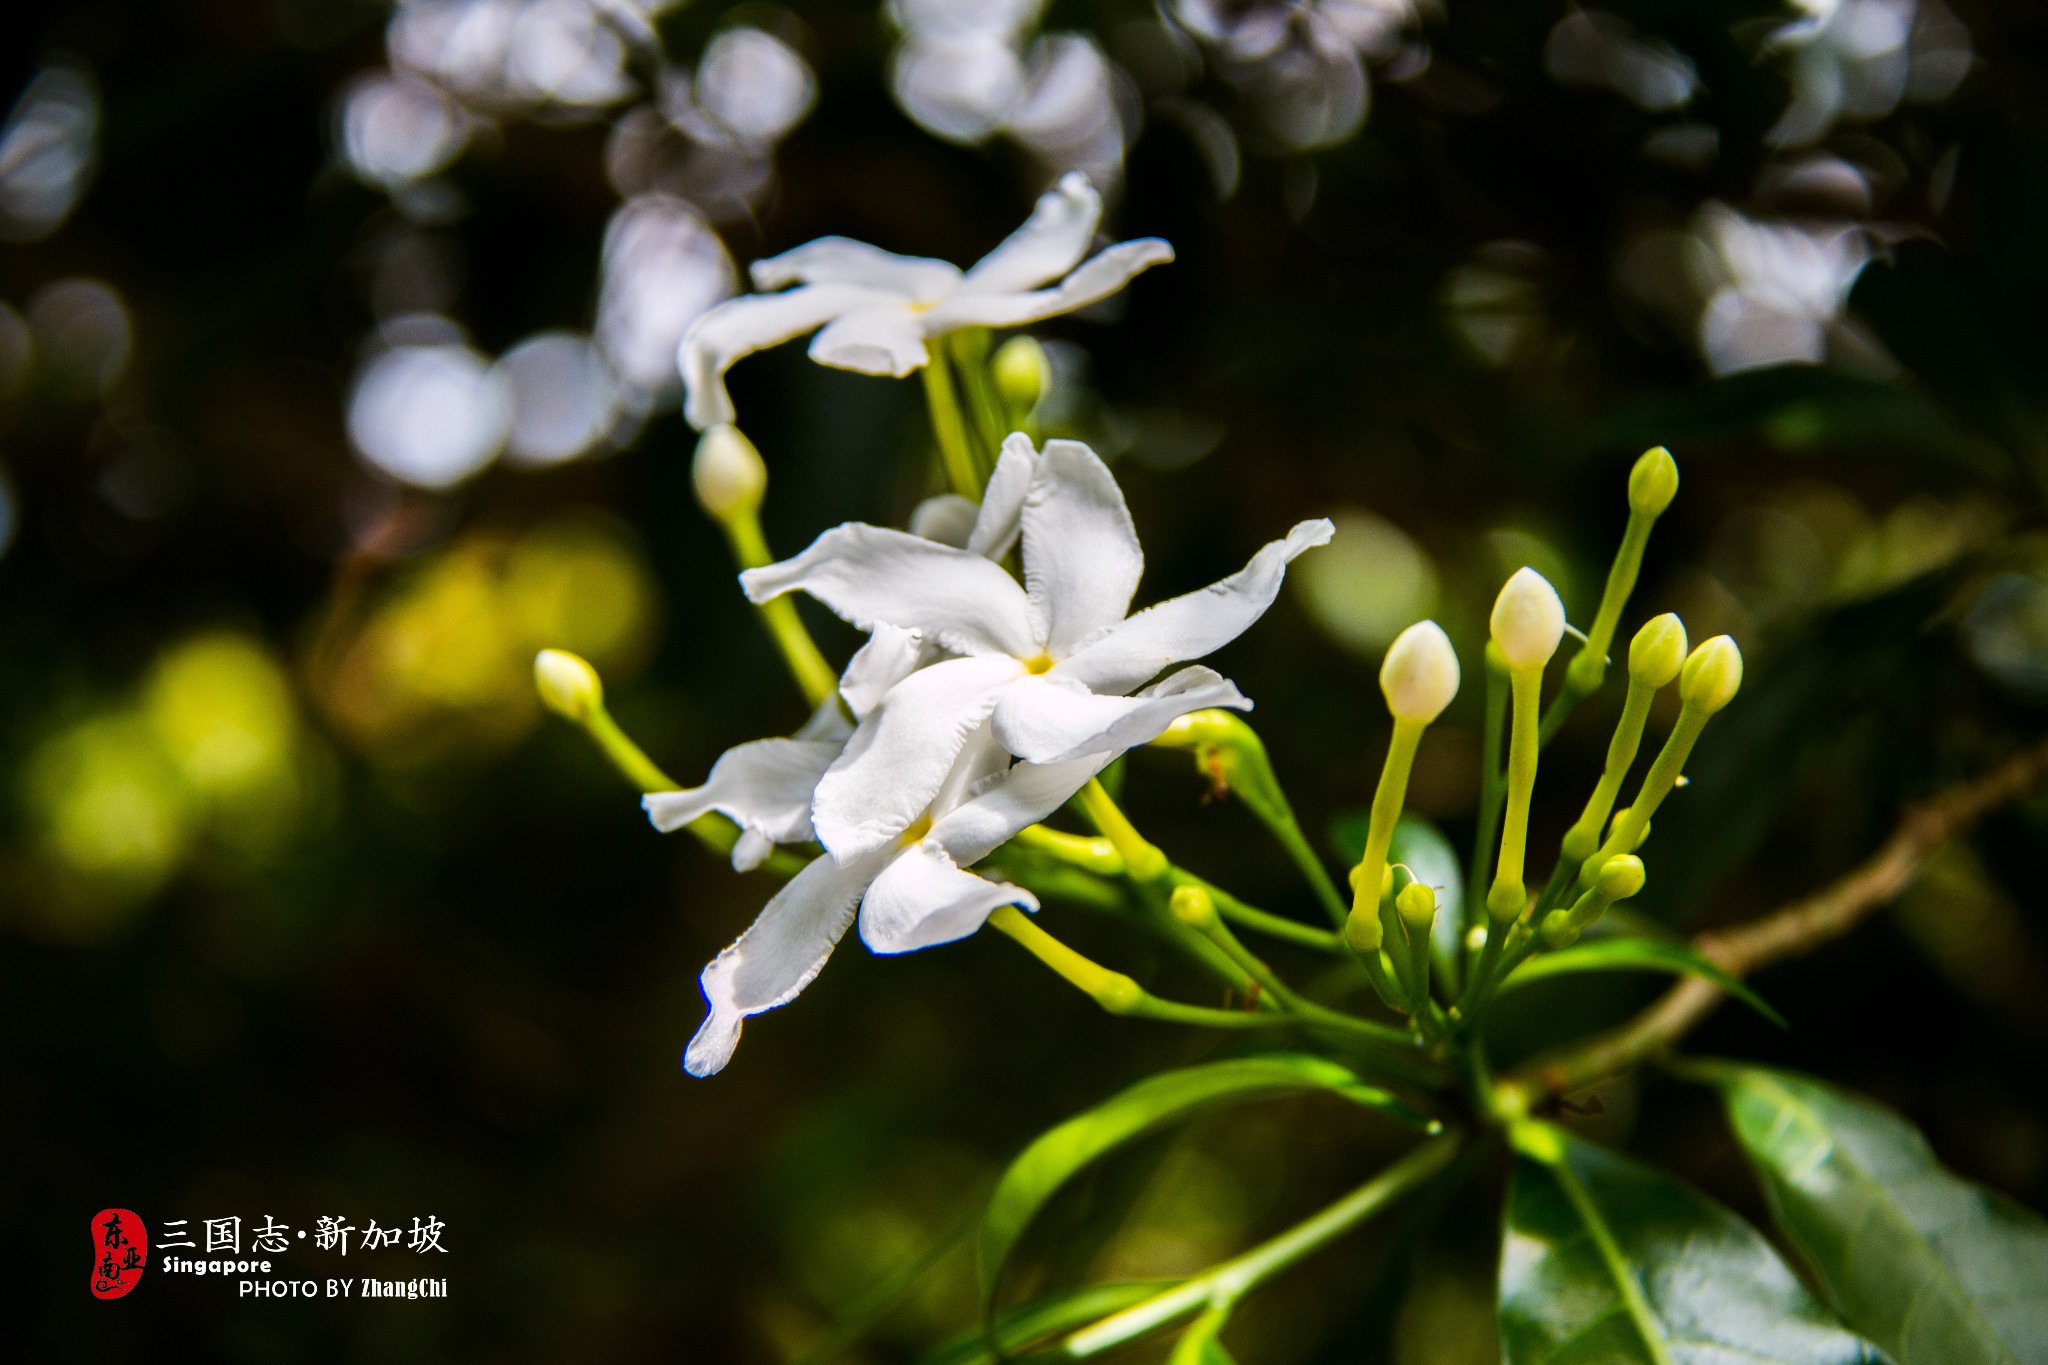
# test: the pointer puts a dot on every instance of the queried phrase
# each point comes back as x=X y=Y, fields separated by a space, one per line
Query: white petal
x=869 y=574
x=1098 y=279
x=750 y=850
x=1081 y=555
x=828 y=722
x=1190 y=626
x=742 y=326
x=1023 y=796
x=764 y=786
x=1002 y=502
x=881 y=340
x=784 y=948
x=841 y=260
x=1049 y=720
x=947 y=518
x=890 y=655
x=922 y=898
x=1052 y=240
x=900 y=756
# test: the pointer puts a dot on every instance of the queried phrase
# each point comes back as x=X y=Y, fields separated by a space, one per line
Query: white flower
x=1049 y=663
x=878 y=309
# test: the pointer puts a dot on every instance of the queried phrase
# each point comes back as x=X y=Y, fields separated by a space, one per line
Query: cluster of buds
x=1392 y=917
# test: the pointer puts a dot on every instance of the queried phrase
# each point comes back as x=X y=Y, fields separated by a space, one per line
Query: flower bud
x=1653 y=483
x=1420 y=673
x=1193 y=906
x=1712 y=675
x=727 y=473
x=1528 y=620
x=1023 y=374
x=1416 y=903
x=567 y=684
x=1658 y=651
x=1620 y=877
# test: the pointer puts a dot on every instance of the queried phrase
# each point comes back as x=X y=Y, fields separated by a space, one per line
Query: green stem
x=1658 y=783
x=1588 y=668
x=1493 y=783
x=1508 y=895
x=950 y=429
x=969 y=348
x=1387 y=801
x=817 y=678
x=1231 y=1281
x=1262 y=921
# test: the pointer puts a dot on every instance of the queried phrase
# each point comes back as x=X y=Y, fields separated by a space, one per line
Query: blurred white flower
x=1775 y=291
x=1049 y=664
x=1859 y=59
x=567 y=57
x=1601 y=50
x=878 y=309
x=662 y=268
x=755 y=85
x=397 y=127
x=564 y=398
x=1302 y=63
x=429 y=415
x=47 y=148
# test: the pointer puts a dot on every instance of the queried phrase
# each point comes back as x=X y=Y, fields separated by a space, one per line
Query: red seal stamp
x=120 y=1251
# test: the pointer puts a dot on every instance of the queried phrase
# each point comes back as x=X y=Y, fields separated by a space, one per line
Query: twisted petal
x=742 y=326
x=765 y=787
x=900 y=756
x=947 y=518
x=870 y=575
x=1098 y=279
x=880 y=340
x=1190 y=626
x=1050 y=720
x=1024 y=795
x=841 y=260
x=890 y=655
x=777 y=957
x=1002 y=502
x=1081 y=555
x=923 y=898
x=1053 y=239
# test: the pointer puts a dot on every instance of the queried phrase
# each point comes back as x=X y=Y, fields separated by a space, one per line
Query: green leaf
x=1200 y=1343
x=1057 y=1156
x=1054 y=1315
x=1606 y=1262
x=1931 y=1267
x=1637 y=955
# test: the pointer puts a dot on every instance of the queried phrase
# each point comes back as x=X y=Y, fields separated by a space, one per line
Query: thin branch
x=1789 y=932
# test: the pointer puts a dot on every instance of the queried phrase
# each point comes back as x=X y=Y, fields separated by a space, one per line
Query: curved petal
x=880 y=340
x=1052 y=240
x=923 y=898
x=1002 y=502
x=750 y=850
x=754 y=322
x=900 y=756
x=1081 y=555
x=1024 y=795
x=869 y=574
x=765 y=786
x=890 y=655
x=1047 y=720
x=841 y=260
x=947 y=518
x=1190 y=626
x=784 y=948
x=1098 y=279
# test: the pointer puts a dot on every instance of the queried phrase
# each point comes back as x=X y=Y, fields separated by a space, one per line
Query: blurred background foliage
x=335 y=346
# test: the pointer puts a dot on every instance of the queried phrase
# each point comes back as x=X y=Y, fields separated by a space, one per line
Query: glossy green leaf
x=1936 y=1270
x=1201 y=1343
x=1060 y=1154
x=1052 y=1316
x=1637 y=955
x=1606 y=1262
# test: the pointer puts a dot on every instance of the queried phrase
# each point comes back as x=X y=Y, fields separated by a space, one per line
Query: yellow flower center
x=1039 y=663
x=918 y=829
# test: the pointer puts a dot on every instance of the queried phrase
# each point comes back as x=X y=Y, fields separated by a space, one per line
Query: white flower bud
x=1658 y=651
x=1528 y=620
x=728 y=473
x=567 y=684
x=1653 y=483
x=1712 y=675
x=1420 y=674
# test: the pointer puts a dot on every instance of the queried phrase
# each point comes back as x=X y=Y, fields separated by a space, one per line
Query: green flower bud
x=567 y=684
x=1653 y=483
x=1528 y=620
x=1620 y=877
x=1023 y=374
x=1416 y=903
x=727 y=473
x=1658 y=651
x=1420 y=673
x=1193 y=906
x=1558 y=929
x=1712 y=675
